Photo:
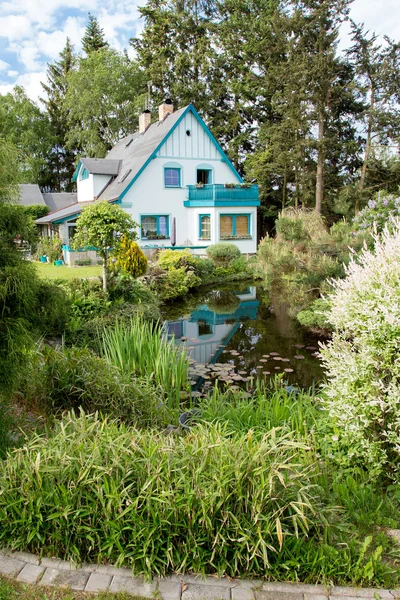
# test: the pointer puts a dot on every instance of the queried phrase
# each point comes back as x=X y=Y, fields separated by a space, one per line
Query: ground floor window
x=205 y=227
x=234 y=227
x=154 y=227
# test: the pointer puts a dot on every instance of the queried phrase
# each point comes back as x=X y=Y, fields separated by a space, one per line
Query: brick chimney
x=144 y=121
x=166 y=108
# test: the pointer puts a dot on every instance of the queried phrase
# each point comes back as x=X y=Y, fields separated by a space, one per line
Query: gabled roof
x=56 y=201
x=136 y=151
x=30 y=195
x=98 y=166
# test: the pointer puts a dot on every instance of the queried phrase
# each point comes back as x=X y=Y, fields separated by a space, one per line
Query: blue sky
x=33 y=32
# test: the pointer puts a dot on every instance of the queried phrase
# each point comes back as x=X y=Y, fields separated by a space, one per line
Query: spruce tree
x=93 y=38
x=62 y=158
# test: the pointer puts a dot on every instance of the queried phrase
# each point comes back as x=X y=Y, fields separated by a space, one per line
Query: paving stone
x=339 y=591
x=76 y=580
x=10 y=566
x=98 y=582
x=66 y=565
x=249 y=584
x=395 y=593
x=51 y=563
x=212 y=581
x=294 y=588
x=169 y=590
x=195 y=591
x=30 y=573
x=315 y=597
x=133 y=586
x=238 y=593
x=27 y=557
x=110 y=570
x=279 y=596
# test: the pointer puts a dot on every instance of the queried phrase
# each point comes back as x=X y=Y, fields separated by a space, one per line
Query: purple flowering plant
x=378 y=212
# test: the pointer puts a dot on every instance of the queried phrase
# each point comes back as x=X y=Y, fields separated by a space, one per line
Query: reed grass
x=98 y=491
x=140 y=348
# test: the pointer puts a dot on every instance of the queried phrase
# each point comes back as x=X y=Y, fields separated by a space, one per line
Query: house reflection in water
x=208 y=331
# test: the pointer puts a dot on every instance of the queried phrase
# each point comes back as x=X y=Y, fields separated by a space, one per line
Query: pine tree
x=93 y=38
x=62 y=158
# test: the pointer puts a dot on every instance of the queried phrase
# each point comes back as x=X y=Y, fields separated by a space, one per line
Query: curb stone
x=29 y=568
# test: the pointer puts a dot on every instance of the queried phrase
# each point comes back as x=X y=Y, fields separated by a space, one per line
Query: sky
x=33 y=32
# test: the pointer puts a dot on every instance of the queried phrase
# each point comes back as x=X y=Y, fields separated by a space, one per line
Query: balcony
x=218 y=194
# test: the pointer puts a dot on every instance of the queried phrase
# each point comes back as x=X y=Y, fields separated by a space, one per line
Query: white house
x=176 y=182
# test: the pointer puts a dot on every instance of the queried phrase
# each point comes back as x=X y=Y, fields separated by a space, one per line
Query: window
x=205 y=329
x=84 y=173
x=234 y=226
x=204 y=176
x=172 y=177
x=175 y=329
x=204 y=227
x=154 y=227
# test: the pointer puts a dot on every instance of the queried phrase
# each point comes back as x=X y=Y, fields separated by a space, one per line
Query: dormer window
x=204 y=176
x=84 y=174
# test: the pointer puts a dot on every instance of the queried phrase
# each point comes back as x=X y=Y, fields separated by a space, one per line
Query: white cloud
x=3 y=65
x=12 y=73
x=15 y=27
x=30 y=82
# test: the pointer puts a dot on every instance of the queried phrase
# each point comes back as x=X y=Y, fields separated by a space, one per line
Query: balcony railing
x=218 y=194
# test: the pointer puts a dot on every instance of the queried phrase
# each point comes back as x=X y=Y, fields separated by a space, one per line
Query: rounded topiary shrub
x=223 y=254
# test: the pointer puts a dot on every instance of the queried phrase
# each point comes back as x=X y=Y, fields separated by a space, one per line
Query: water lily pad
x=277 y=358
x=263 y=360
x=299 y=346
x=311 y=348
x=285 y=359
x=274 y=353
x=242 y=372
x=299 y=356
x=288 y=370
x=193 y=382
x=277 y=368
x=267 y=372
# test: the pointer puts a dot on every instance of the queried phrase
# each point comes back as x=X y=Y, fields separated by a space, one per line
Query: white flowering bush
x=378 y=213
x=362 y=360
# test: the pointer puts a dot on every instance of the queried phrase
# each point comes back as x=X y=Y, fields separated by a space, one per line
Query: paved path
x=28 y=568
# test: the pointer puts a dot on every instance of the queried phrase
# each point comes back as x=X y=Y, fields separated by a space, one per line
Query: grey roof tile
x=101 y=166
x=134 y=150
x=30 y=195
x=56 y=201
x=62 y=213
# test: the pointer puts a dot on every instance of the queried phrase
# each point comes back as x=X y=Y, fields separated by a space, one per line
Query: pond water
x=237 y=334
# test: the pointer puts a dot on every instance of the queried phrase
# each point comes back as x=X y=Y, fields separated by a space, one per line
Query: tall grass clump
x=140 y=348
x=269 y=407
x=207 y=502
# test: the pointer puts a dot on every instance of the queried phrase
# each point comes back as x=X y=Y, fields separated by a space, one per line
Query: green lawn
x=51 y=272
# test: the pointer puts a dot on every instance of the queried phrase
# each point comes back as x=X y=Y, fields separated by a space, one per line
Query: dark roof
x=134 y=151
x=101 y=166
x=30 y=194
x=60 y=200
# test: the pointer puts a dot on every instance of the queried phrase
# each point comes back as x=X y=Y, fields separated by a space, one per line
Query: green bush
x=84 y=262
x=316 y=316
x=362 y=359
x=98 y=491
x=223 y=254
x=177 y=282
x=74 y=378
x=130 y=258
x=291 y=229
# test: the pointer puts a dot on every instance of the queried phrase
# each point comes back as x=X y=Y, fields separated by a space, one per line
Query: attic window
x=84 y=174
x=188 y=132
x=124 y=176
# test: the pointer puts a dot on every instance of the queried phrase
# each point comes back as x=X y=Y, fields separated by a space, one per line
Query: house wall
x=149 y=196
x=91 y=187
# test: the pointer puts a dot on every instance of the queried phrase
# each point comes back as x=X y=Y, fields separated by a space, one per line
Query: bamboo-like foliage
x=141 y=349
x=206 y=502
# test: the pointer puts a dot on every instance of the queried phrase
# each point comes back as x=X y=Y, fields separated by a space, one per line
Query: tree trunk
x=367 y=151
x=319 y=188
x=284 y=190
x=105 y=273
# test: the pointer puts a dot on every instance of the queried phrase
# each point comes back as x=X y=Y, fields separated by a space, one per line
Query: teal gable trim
x=76 y=172
x=66 y=219
x=124 y=204
x=191 y=109
x=209 y=203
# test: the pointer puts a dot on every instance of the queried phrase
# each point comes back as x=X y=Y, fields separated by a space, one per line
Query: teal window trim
x=158 y=227
x=84 y=174
x=168 y=172
x=201 y=217
x=234 y=216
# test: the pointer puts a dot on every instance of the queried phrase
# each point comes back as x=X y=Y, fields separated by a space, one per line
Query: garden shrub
x=223 y=302
x=130 y=257
x=378 y=213
x=362 y=359
x=316 y=316
x=291 y=229
x=74 y=378
x=204 y=521
x=223 y=254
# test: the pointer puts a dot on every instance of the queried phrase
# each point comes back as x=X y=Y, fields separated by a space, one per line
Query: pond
x=237 y=334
